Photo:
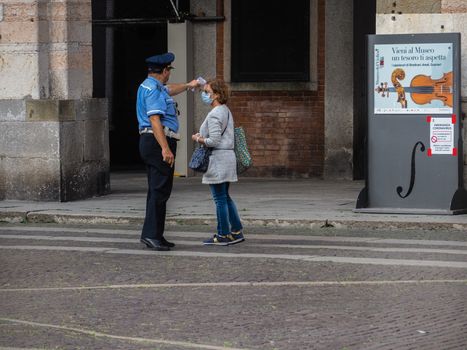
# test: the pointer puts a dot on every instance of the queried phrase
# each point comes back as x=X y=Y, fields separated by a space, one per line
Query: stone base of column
x=54 y=150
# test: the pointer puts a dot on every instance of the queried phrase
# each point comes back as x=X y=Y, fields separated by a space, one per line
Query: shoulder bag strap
x=228 y=119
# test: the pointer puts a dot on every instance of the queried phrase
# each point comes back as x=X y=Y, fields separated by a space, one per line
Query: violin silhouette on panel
x=423 y=89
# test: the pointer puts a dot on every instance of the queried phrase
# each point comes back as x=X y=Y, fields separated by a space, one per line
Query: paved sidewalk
x=261 y=202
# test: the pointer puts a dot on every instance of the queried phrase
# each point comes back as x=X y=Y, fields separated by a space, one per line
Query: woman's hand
x=196 y=137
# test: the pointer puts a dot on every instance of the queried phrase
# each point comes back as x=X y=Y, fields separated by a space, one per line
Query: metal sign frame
x=414 y=144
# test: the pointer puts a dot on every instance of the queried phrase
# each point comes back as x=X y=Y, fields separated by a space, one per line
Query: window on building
x=270 y=41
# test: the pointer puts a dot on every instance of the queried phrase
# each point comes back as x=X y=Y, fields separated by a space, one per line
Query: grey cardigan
x=222 y=162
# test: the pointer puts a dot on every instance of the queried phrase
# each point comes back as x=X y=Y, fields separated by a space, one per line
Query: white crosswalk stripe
x=272 y=237
x=258 y=246
x=265 y=245
x=309 y=258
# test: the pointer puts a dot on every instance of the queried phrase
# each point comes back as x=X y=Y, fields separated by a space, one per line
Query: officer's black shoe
x=154 y=244
x=143 y=240
x=167 y=243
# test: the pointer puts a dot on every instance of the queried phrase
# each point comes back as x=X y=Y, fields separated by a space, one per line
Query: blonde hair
x=220 y=88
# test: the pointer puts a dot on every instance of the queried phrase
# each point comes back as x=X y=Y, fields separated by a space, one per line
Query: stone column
x=338 y=157
x=180 y=42
x=54 y=143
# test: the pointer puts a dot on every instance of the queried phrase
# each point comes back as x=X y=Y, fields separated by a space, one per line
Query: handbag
x=200 y=159
x=244 y=160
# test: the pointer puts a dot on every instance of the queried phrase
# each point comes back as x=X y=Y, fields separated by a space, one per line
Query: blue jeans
x=226 y=211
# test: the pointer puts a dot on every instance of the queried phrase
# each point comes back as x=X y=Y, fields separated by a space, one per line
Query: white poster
x=413 y=79
x=442 y=136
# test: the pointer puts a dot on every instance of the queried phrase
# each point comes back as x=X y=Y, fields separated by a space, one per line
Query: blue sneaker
x=237 y=237
x=219 y=240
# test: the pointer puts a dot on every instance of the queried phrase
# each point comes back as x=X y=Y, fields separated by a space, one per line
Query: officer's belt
x=167 y=132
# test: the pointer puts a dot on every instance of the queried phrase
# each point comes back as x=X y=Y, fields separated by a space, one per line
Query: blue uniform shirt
x=153 y=98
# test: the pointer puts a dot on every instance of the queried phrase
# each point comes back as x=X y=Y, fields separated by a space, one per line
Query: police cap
x=160 y=61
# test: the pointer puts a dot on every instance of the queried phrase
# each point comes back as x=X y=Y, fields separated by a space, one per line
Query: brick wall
x=285 y=129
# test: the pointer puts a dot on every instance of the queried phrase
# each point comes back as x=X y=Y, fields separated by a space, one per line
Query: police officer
x=158 y=127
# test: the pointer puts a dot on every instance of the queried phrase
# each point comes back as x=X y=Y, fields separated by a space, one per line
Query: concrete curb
x=96 y=219
x=12 y=217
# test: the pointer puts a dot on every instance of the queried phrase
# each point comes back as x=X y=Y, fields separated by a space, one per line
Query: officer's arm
x=175 y=89
x=158 y=130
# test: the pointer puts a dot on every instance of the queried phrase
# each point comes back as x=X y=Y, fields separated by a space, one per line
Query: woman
x=217 y=132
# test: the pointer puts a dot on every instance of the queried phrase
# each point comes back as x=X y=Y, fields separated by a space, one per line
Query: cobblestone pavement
x=88 y=287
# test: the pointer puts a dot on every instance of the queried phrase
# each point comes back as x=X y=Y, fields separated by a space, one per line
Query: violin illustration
x=423 y=89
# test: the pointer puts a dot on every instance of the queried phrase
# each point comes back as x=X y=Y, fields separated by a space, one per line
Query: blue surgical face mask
x=206 y=98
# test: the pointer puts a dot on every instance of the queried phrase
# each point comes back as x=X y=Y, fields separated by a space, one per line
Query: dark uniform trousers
x=160 y=182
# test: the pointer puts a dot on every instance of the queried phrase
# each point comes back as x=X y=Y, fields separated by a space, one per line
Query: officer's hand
x=193 y=84
x=168 y=157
